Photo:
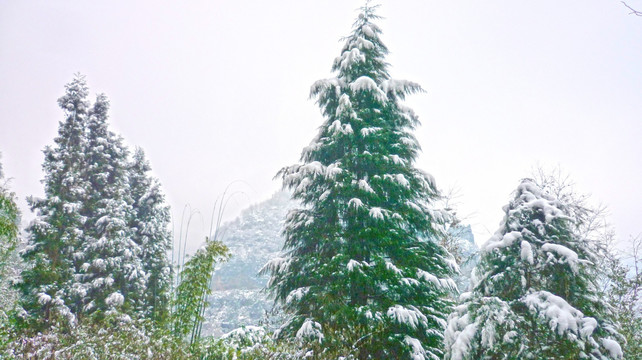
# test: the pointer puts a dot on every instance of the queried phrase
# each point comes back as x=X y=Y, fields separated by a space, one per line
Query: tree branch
x=633 y=11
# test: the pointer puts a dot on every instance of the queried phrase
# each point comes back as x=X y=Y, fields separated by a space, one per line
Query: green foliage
x=190 y=297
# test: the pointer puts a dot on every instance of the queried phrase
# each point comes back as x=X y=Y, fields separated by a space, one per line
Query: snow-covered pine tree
x=55 y=234
x=534 y=296
x=363 y=272
x=111 y=274
x=150 y=220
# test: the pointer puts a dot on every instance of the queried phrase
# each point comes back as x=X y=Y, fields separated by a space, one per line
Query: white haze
x=217 y=91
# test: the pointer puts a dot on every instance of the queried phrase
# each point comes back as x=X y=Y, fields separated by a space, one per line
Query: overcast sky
x=217 y=91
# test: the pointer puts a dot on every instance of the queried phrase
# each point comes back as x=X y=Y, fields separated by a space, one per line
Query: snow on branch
x=410 y=316
x=310 y=330
x=560 y=315
x=568 y=256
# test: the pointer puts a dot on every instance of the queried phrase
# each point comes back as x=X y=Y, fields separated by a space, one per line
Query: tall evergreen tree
x=55 y=234
x=150 y=220
x=535 y=295
x=111 y=274
x=363 y=272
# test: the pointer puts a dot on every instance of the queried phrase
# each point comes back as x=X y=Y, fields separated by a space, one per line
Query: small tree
x=363 y=272
x=535 y=296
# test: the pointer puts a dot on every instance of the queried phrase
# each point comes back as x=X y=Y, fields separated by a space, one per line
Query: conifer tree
x=535 y=295
x=86 y=251
x=54 y=236
x=150 y=221
x=111 y=274
x=363 y=272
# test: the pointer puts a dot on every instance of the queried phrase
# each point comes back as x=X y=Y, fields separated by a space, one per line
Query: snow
x=363 y=185
x=325 y=85
x=391 y=266
x=333 y=170
x=407 y=141
x=335 y=127
x=310 y=329
x=363 y=83
x=397 y=160
x=410 y=316
x=398 y=86
x=369 y=130
x=448 y=284
x=352 y=264
x=499 y=241
x=312 y=168
x=345 y=107
x=297 y=294
x=115 y=299
x=410 y=281
x=355 y=203
x=414 y=206
x=462 y=344
x=43 y=298
x=613 y=348
x=402 y=180
x=560 y=315
x=417 y=351
x=277 y=265
x=527 y=252
x=363 y=43
x=376 y=213
x=348 y=58
x=367 y=31
x=569 y=256
x=325 y=195
x=303 y=185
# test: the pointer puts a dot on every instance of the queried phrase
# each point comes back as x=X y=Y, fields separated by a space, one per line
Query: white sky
x=217 y=91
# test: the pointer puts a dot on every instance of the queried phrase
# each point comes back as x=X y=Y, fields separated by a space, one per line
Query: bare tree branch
x=633 y=11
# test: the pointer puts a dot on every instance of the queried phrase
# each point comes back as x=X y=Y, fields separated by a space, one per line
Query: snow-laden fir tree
x=111 y=274
x=100 y=232
x=534 y=296
x=150 y=220
x=362 y=272
x=54 y=236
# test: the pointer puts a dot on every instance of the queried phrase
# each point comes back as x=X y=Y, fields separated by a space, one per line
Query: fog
x=216 y=92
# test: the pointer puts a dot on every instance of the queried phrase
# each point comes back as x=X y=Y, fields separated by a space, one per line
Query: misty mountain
x=254 y=238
